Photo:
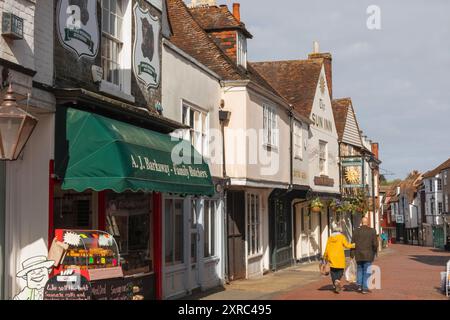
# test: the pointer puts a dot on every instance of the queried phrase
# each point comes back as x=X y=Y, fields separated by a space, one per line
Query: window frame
x=270 y=127
x=440 y=207
x=116 y=39
x=253 y=224
x=324 y=159
x=190 y=134
x=298 y=140
x=439 y=184
x=210 y=228
x=241 y=52
x=174 y=263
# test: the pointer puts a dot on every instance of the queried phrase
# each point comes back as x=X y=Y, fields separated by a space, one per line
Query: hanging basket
x=316 y=209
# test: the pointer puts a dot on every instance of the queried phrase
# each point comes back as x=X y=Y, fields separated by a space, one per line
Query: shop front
x=134 y=184
x=282 y=226
x=312 y=228
x=247 y=232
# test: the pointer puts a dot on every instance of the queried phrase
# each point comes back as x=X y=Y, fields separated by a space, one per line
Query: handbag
x=350 y=271
x=324 y=268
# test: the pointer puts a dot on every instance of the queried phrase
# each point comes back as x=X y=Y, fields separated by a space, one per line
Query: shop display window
x=92 y=252
x=129 y=220
x=174 y=231
x=72 y=209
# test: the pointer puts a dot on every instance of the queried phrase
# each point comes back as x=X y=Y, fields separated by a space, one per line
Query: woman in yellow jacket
x=335 y=255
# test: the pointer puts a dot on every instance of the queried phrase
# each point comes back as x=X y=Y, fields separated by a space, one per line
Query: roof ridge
x=295 y=80
x=290 y=61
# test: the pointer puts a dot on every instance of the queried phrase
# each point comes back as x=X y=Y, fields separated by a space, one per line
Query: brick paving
x=407 y=273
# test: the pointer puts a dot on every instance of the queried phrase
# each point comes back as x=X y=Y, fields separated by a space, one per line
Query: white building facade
x=27 y=64
x=191 y=95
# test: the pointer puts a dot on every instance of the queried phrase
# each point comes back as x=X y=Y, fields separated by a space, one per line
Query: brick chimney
x=225 y=28
x=237 y=11
x=375 y=150
x=328 y=63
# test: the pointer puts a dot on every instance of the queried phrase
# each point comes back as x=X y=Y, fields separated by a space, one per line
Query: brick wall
x=43 y=42
x=19 y=51
x=227 y=41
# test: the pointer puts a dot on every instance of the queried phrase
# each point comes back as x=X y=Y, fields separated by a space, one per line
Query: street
x=407 y=273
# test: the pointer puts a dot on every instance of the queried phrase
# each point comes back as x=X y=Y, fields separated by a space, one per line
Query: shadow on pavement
x=326 y=288
x=432 y=260
x=201 y=295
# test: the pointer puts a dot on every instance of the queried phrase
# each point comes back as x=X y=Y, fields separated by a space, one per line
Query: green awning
x=106 y=154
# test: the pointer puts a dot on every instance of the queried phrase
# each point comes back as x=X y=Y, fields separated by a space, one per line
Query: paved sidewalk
x=407 y=273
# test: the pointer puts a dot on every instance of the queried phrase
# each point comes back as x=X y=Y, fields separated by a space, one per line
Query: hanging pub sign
x=352 y=172
x=77 y=26
x=146 y=63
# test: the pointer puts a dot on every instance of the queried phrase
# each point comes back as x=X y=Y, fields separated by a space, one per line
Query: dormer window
x=241 y=50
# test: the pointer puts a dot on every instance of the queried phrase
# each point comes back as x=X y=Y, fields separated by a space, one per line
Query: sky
x=397 y=76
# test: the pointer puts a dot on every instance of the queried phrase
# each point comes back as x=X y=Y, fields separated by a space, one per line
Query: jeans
x=363 y=274
x=336 y=274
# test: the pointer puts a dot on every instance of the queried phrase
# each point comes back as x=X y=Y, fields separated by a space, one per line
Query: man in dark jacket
x=366 y=247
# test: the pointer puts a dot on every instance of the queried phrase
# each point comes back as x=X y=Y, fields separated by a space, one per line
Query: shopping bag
x=350 y=271
x=324 y=267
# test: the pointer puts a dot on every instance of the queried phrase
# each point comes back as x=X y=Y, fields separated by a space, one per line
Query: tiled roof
x=189 y=36
x=295 y=80
x=411 y=184
x=340 y=112
x=437 y=170
x=212 y=18
x=341 y=108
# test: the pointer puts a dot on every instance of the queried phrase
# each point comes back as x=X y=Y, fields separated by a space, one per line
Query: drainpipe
x=291 y=151
x=2 y=228
x=224 y=116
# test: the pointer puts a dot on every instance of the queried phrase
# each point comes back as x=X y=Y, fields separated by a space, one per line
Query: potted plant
x=360 y=204
x=316 y=205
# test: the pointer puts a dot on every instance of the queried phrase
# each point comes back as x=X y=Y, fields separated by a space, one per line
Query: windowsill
x=112 y=89
x=211 y=259
x=270 y=147
x=176 y=267
x=255 y=256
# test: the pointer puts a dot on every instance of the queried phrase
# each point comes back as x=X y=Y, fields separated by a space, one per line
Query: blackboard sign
x=112 y=289
x=68 y=287
x=124 y=288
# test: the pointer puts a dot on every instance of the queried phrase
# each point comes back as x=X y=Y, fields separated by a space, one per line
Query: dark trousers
x=336 y=274
x=363 y=274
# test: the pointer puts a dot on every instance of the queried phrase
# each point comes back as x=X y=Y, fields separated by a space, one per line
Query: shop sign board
x=68 y=285
x=146 y=62
x=77 y=27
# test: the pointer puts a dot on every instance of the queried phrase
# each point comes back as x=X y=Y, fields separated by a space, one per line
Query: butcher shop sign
x=146 y=48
